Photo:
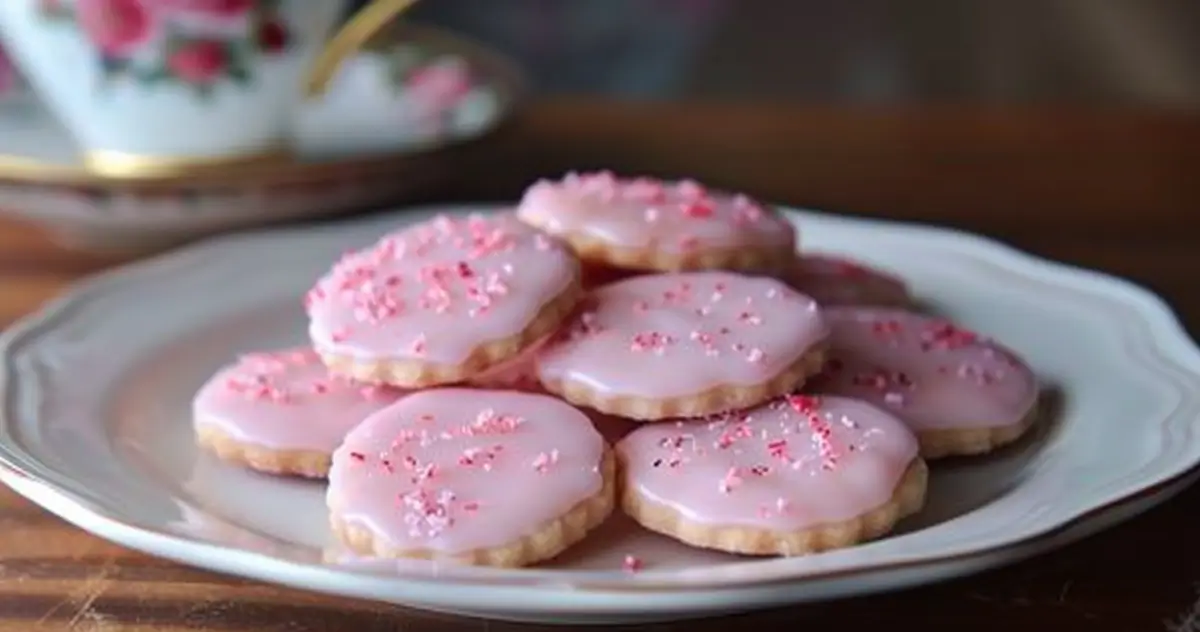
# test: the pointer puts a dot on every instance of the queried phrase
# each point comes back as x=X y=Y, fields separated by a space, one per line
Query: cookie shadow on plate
x=960 y=485
x=923 y=305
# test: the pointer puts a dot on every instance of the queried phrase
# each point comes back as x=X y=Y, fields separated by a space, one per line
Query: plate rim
x=1167 y=333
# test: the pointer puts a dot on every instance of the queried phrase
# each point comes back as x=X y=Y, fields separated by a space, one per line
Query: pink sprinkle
x=340 y=334
x=313 y=297
x=745 y=210
x=698 y=209
x=750 y=318
x=731 y=480
x=471 y=455
x=651 y=341
x=427 y=514
x=632 y=564
x=425 y=473
x=543 y=461
x=489 y=422
x=804 y=404
x=945 y=335
x=419 y=345
x=756 y=355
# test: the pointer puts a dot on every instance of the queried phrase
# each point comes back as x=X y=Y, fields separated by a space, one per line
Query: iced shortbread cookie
x=281 y=412
x=495 y=478
x=961 y=393
x=442 y=301
x=645 y=224
x=833 y=280
x=684 y=345
x=796 y=476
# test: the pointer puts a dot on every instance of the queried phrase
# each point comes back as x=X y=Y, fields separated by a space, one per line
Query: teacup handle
x=349 y=40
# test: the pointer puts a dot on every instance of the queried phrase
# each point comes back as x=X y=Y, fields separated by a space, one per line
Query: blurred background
x=1099 y=52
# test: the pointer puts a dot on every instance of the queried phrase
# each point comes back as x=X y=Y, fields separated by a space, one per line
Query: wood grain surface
x=1118 y=191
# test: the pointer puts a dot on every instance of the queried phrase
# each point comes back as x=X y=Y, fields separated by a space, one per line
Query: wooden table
x=1118 y=191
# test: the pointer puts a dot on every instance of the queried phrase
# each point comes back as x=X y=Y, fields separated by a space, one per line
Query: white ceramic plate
x=95 y=428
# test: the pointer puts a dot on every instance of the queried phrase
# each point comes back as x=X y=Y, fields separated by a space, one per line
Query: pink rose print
x=440 y=85
x=200 y=62
x=272 y=37
x=8 y=75
x=189 y=42
x=214 y=8
x=115 y=26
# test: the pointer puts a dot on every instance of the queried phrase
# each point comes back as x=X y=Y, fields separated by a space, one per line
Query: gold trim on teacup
x=363 y=26
x=112 y=164
x=23 y=169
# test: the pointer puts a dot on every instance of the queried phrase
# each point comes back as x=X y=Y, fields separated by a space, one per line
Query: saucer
x=365 y=145
x=115 y=455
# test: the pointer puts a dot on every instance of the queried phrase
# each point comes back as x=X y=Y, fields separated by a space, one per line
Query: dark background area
x=1110 y=52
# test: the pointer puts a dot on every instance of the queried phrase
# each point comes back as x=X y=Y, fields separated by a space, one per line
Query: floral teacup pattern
x=8 y=76
x=193 y=42
x=433 y=82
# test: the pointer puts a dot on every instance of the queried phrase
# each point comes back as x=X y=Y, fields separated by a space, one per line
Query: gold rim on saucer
x=505 y=77
x=112 y=164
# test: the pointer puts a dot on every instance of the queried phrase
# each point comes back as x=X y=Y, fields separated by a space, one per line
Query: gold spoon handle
x=349 y=40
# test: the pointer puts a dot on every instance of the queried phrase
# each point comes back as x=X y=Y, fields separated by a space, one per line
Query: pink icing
x=642 y=213
x=453 y=470
x=672 y=335
x=833 y=280
x=794 y=463
x=286 y=400
x=438 y=290
x=928 y=371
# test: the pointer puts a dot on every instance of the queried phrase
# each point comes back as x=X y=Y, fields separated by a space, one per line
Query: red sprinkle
x=945 y=335
x=804 y=404
x=698 y=209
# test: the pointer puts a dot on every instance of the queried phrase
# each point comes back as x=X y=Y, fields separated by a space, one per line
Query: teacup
x=148 y=86
x=9 y=81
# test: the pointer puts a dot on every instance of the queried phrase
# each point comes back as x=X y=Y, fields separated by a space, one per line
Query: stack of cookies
x=489 y=388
